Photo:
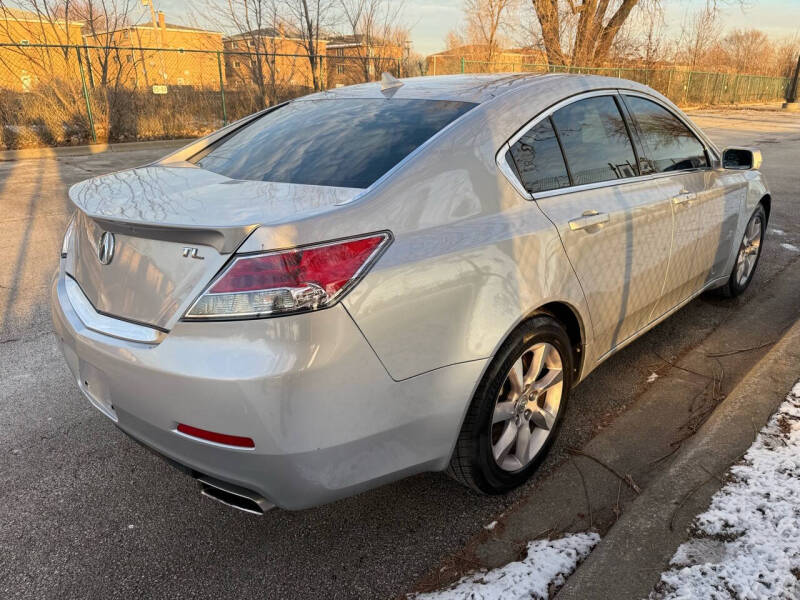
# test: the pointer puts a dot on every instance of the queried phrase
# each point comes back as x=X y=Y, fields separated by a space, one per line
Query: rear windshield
x=341 y=143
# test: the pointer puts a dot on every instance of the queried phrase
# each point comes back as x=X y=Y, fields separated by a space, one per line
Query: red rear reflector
x=219 y=438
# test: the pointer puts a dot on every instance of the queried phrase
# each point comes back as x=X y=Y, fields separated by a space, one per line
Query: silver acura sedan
x=396 y=277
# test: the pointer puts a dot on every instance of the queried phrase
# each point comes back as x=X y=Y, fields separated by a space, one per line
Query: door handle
x=684 y=197
x=589 y=218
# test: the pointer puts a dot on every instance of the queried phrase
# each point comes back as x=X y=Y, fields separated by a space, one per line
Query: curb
x=55 y=152
x=630 y=559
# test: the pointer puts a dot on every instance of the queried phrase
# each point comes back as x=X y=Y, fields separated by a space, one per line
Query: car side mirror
x=741 y=159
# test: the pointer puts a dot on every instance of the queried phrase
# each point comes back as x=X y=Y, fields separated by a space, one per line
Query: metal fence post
x=462 y=64
x=703 y=98
x=669 y=82
x=88 y=65
x=688 y=85
x=715 y=89
x=86 y=94
x=791 y=85
x=222 y=89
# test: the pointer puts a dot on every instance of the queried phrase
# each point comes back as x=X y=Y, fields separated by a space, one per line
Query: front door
x=705 y=202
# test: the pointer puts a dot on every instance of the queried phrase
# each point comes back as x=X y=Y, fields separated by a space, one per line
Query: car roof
x=476 y=88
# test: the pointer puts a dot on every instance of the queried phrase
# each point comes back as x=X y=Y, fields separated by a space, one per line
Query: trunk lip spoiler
x=224 y=239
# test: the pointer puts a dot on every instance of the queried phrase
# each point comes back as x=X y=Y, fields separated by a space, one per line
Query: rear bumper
x=326 y=419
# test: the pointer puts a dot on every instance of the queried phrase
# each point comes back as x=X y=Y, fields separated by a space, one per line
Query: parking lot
x=89 y=513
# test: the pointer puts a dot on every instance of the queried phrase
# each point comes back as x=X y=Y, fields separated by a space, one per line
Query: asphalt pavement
x=88 y=513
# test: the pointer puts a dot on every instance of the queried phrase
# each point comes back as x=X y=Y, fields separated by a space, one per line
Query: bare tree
x=642 y=39
x=700 y=33
x=98 y=19
x=101 y=19
x=414 y=64
x=379 y=40
x=259 y=29
x=454 y=39
x=486 y=20
x=40 y=22
x=44 y=67
x=653 y=43
x=597 y=26
x=311 y=18
x=786 y=54
x=749 y=50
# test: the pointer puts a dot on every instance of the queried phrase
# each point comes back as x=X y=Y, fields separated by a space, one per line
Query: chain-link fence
x=74 y=94
x=683 y=86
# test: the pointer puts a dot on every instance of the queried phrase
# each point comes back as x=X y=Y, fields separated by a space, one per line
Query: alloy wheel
x=527 y=406
x=748 y=251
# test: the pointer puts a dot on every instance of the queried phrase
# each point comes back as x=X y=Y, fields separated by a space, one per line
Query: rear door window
x=595 y=140
x=538 y=159
x=670 y=145
x=343 y=142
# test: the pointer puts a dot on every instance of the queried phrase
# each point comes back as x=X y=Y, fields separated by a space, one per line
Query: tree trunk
x=611 y=29
x=581 y=49
x=593 y=40
x=313 y=39
x=547 y=13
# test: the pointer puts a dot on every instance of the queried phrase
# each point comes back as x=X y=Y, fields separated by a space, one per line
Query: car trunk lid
x=173 y=229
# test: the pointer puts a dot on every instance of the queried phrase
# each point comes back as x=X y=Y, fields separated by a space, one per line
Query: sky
x=430 y=20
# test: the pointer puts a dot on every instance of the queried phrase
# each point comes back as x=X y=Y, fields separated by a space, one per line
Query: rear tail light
x=67 y=242
x=288 y=281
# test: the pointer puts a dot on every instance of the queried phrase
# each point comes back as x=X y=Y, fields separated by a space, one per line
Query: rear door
x=705 y=206
x=616 y=227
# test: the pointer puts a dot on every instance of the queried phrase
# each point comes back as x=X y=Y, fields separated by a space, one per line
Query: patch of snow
x=777 y=231
x=549 y=563
x=790 y=247
x=490 y=526
x=653 y=377
x=747 y=544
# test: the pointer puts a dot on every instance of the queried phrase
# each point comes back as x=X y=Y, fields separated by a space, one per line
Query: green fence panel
x=56 y=95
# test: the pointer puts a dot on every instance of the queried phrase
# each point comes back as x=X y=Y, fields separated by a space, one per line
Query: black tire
x=473 y=463
x=734 y=286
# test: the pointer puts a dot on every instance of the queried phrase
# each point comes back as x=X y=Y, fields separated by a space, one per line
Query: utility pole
x=158 y=39
x=791 y=103
x=156 y=31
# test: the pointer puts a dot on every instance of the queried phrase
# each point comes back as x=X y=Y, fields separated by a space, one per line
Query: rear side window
x=671 y=146
x=595 y=140
x=538 y=159
x=340 y=142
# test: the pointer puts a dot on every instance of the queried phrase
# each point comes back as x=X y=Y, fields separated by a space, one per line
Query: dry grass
x=55 y=114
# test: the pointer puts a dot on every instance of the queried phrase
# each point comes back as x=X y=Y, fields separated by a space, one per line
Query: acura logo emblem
x=105 y=249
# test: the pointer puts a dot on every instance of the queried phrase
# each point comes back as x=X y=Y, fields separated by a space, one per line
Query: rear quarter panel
x=471 y=258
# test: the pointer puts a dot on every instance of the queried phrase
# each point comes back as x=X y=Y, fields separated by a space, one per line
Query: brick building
x=24 y=66
x=268 y=53
x=159 y=55
x=356 y=59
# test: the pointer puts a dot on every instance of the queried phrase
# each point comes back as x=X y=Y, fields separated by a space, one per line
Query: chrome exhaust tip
x=233 y=496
